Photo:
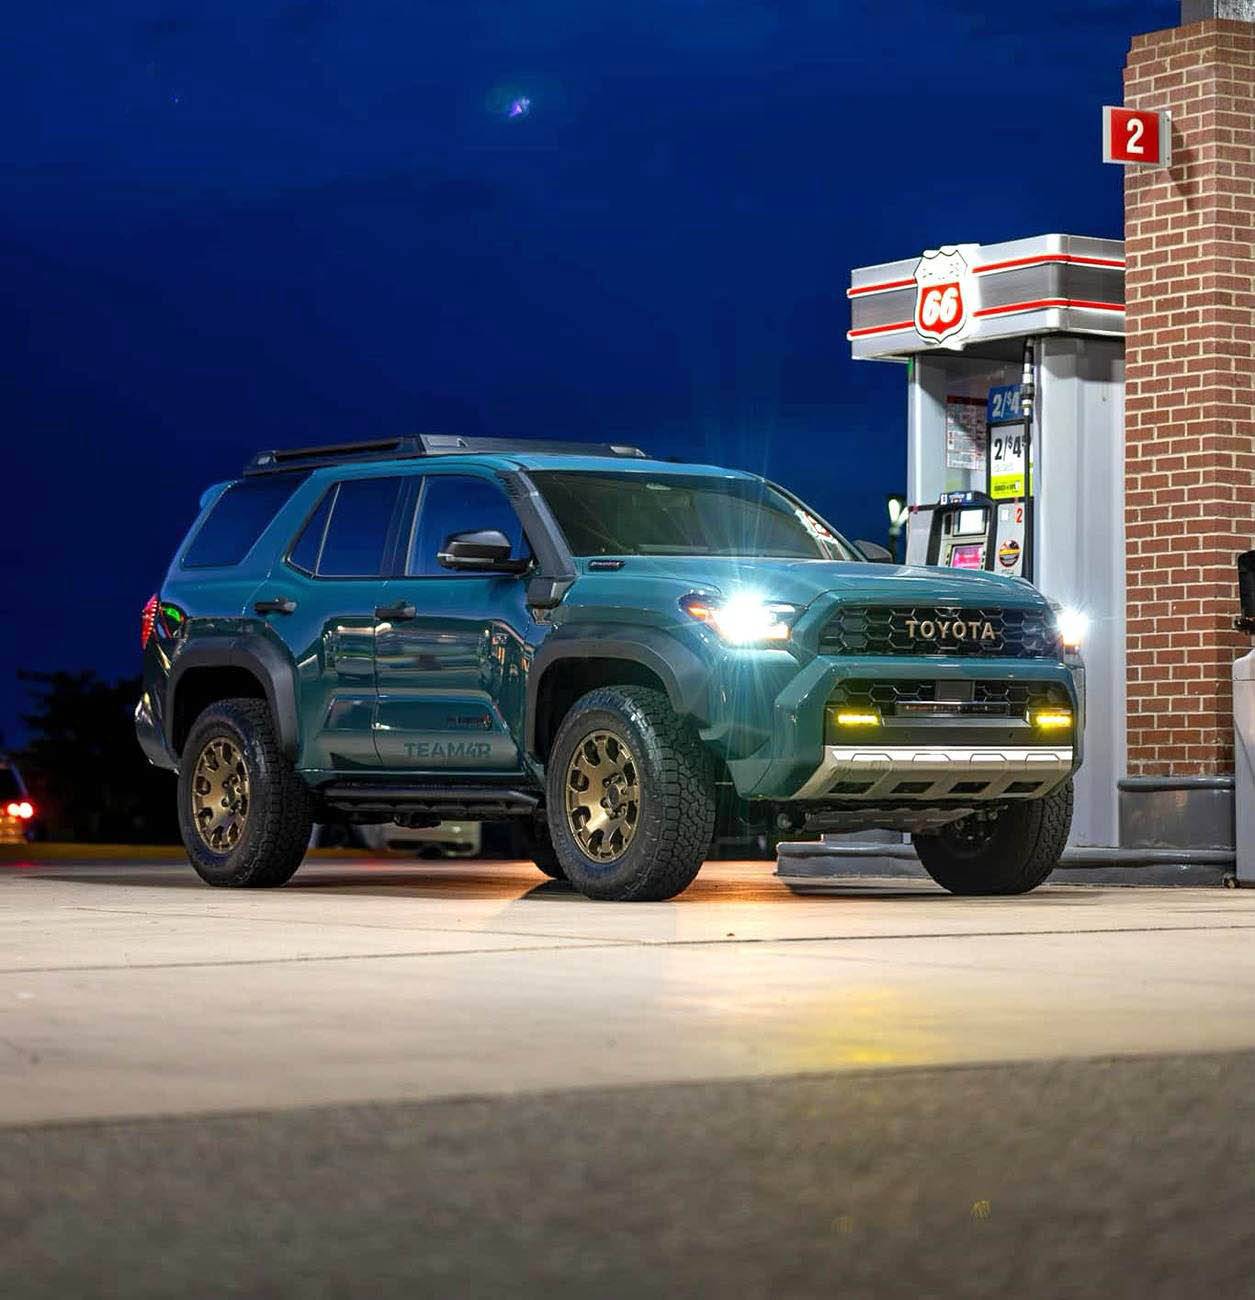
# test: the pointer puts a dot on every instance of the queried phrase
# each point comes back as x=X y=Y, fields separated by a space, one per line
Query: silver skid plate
x=909 y=772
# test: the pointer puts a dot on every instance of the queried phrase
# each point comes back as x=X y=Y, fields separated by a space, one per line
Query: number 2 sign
x=1138 y=136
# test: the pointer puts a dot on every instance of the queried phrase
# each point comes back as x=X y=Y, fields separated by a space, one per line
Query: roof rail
x=423 y=444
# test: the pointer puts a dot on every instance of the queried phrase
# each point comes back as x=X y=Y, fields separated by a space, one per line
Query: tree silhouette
x=86 y=771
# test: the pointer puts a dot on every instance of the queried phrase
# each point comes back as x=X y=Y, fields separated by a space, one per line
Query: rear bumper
x=151 y=734
x=934 y=772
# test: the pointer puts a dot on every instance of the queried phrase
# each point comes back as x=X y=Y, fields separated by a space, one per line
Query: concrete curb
x=812 y=867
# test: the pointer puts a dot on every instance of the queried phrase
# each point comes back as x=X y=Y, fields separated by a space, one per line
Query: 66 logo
x=944 y=288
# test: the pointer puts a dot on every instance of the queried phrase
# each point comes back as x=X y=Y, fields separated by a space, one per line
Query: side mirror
x=876 y=553
x=485 y=551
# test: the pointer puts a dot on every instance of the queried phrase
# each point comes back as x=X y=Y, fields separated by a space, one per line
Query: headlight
x=743 y=619
x=1073 y=625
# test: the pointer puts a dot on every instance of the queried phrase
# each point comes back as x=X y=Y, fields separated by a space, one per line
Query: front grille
x=990 y=698
x=1022 y=696
x=911 y=630
x=884 y=696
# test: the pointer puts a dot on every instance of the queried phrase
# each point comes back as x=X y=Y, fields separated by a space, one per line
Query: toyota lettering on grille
x=956 y=629
x=973 y=631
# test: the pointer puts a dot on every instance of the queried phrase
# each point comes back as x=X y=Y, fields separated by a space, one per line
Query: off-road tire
x=1022 y=847
x=537 y=844
x=280 y=815
x=676 y=817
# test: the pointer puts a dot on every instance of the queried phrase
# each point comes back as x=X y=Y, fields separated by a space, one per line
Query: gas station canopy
x=970 y=296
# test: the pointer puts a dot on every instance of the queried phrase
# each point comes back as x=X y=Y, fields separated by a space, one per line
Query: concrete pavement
x=494 y=1060
x=139 y=991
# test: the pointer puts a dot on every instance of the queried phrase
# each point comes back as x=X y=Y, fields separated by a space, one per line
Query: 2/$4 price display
x=1007 y=463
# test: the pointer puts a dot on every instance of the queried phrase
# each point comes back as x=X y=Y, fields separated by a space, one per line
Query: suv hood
x=799 y=582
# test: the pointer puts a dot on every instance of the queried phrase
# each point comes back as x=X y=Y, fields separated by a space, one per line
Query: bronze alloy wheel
x=220 y=795
x=603 y=796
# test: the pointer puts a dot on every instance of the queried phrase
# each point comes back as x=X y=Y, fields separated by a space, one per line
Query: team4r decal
x=945 y=292
x=450 y=749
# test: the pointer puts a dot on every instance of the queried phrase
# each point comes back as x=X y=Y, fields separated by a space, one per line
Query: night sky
x=231 y=226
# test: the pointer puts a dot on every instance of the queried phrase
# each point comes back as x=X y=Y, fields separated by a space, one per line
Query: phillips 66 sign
x=944 y=295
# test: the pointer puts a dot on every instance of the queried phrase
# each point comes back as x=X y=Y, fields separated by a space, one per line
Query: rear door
x=334 y=578
x=451 y=665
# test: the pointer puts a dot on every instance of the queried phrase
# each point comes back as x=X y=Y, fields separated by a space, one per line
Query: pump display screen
x=968 y=557
x=969 y=522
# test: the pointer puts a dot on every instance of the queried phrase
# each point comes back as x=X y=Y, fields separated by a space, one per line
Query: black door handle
x=397 y=613
x=275 y=605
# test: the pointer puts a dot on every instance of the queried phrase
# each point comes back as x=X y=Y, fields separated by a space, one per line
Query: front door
x=451 y=647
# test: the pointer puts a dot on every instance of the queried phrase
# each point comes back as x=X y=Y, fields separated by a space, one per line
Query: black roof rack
x=422 y=444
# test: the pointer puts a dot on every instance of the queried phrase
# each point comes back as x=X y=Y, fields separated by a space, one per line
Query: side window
x=355 y=536
x=238 y=518
x=456 y=503
x=308 y=546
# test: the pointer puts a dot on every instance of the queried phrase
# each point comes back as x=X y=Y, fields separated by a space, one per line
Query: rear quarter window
x=238 y=518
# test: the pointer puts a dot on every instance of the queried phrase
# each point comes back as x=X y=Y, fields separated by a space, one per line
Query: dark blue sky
x=239 y=225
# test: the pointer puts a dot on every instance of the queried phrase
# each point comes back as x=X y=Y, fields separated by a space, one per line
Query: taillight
x=23 y=810
x=147 y=620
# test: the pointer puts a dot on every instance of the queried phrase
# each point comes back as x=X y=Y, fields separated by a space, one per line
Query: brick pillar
x=1190 y=393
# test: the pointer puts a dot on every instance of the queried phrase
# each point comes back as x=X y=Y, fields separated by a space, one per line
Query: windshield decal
x=814 y=527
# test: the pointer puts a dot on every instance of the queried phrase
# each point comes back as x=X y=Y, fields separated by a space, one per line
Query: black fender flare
x=681 y=671
x=256 y=655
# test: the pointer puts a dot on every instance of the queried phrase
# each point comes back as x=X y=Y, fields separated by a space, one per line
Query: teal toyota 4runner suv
x=622 y=654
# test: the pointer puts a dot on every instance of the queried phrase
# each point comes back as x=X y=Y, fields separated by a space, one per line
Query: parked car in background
x=443 y=840
x=17 y=813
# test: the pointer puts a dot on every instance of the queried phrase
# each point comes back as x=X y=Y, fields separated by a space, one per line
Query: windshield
x=682 y=514
x=10 y=786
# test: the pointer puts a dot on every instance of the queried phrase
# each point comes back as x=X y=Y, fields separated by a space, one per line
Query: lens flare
x=744 y=618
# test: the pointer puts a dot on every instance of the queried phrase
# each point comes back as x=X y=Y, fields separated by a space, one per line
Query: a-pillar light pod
x=1073 y=627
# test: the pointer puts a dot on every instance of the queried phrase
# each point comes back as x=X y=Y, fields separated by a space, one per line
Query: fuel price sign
x=1007 y=461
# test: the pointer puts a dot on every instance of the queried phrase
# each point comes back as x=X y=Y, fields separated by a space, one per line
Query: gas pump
x=956 y=532
x=990 y=529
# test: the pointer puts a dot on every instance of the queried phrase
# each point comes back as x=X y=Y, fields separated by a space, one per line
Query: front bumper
x=796 y=757
x=872 y=771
